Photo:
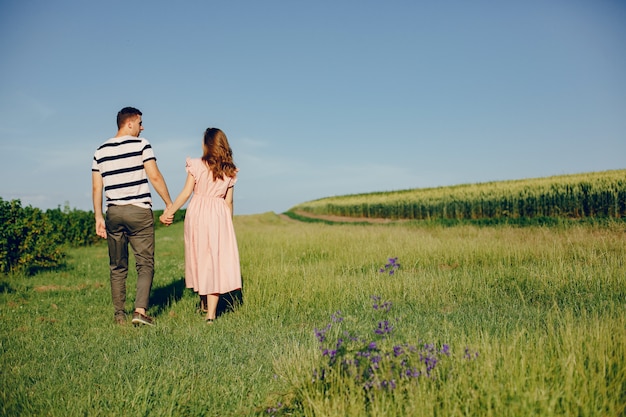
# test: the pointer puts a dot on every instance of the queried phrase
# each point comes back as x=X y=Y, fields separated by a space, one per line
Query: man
x=122 y=167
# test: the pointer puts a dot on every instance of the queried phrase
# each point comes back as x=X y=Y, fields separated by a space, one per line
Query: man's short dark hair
x=125 y=114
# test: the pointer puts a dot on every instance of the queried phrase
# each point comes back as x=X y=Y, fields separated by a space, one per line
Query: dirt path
x=339 y=219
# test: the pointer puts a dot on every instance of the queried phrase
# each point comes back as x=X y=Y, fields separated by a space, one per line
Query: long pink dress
x=211 y=253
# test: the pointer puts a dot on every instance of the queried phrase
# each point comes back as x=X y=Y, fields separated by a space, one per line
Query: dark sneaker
x=120 y=319
x=139 y=318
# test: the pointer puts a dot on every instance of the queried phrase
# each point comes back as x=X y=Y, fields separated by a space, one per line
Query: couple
x=122 y=167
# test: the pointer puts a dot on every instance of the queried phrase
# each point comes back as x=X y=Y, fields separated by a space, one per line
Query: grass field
x=475 y=321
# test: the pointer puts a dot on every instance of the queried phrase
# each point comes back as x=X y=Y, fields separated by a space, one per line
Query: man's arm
x=96 y=192
x=157 y=181
x=168 y=215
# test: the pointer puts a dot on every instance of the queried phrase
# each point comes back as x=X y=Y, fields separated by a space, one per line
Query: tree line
x=32 y=239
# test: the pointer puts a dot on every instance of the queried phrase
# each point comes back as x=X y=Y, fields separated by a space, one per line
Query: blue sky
x=317 y=98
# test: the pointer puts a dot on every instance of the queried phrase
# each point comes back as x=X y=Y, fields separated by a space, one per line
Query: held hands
x=167 y=218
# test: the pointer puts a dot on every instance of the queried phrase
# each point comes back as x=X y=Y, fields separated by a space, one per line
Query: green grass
x=544 y=308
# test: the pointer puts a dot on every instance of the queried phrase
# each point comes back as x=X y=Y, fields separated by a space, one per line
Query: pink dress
x=211 y=254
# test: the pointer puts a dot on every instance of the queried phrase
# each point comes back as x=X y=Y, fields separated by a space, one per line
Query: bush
x=77 y=227
x=28 y=239
x=31 y=239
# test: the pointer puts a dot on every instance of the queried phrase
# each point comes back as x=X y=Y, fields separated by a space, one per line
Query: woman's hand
x=167 y=218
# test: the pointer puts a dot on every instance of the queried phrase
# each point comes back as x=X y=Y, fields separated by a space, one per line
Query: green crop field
x=595 y=194
x=399 y=319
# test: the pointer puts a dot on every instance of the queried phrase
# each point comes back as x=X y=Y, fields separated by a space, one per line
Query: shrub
x=76 y=227
x=28 y=239
x=31 y=239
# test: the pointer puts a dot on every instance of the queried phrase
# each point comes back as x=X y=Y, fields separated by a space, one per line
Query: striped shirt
x=120 y=162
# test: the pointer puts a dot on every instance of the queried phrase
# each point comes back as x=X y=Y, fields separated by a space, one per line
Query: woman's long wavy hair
x=217 y=154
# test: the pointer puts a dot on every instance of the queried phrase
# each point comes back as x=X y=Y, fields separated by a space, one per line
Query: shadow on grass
x=163 y=297
x=5 y=287
x=228 y=302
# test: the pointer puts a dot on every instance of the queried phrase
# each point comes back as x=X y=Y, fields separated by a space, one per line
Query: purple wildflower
x=336 y=317
x=320 y=334
x=469 y=355
x=383 y=328
x=386 y=306
x=391 y=266
x=388 y=384
x=272 y=410
x=397 y=351
x=369 y=361
x=339 y=343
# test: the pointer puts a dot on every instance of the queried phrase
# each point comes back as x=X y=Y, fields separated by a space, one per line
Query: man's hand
x=101 y=229
x=166 y=218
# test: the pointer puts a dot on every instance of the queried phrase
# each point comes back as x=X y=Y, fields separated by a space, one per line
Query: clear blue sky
x=317 y=98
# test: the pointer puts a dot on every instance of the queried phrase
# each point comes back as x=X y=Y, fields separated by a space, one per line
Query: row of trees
x=595 y=195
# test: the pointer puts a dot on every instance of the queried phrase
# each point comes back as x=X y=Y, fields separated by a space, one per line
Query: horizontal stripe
x=123 y=171
x=125 y=185
x=118 y=157
x=116 y=144
x=138 y=198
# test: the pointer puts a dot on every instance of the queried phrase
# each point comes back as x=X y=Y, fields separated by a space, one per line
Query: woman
x=211 y=254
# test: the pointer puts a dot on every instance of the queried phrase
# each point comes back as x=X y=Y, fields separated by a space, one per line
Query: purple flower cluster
x=469 y=355
x=274 y=410
x=391 y=267
x=378 y=305
x=383 y=328
x=374 y=361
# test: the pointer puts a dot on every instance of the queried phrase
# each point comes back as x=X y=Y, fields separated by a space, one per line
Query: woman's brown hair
x=217 y=154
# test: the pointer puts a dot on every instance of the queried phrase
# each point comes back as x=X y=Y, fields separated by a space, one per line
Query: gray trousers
x=134 y=225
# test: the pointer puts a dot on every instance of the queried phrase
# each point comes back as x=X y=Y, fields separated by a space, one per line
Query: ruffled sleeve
x=233 y=179
x=190 y=168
